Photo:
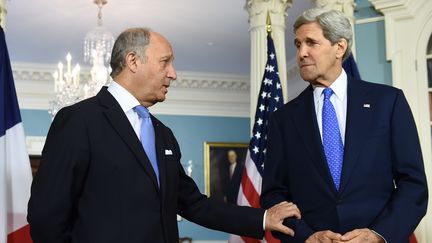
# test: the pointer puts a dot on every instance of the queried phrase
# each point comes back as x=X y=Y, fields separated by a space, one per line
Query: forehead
x=311 y=30
x=160 y=44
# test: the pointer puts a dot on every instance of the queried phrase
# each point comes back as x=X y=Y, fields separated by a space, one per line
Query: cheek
x=298 y=58
x=325 y=63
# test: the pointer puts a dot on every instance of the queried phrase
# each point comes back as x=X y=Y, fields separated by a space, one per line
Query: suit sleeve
x=275 y=185
x=214 y=214
x=57 y=185
x=409 y=201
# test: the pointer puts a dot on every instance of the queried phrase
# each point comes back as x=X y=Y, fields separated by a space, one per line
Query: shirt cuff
x=265 y=213
x=379 y=235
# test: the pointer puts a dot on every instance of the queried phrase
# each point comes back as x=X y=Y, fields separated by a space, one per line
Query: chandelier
x=97 y=51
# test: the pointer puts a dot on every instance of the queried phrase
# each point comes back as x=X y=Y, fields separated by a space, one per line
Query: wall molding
x=369 y=20
x=193 y=93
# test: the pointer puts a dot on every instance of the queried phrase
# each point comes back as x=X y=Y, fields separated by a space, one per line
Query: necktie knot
x=142 y=111
x=327 y=93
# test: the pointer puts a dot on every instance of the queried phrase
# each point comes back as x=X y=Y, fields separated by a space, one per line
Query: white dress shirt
x=338 y=99
x=232 y=169
x=127 y=102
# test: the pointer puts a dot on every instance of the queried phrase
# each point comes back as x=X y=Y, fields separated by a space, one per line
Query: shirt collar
x=126 y=100
x=339 y=87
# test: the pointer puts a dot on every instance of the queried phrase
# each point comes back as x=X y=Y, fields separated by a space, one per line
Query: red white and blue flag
x=269 y=100
x=15 y=171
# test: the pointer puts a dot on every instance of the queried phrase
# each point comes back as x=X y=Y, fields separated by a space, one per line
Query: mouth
x=166 y=88
x=305 y=65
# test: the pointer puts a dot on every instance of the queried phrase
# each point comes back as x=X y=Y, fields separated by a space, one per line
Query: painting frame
x=216 y=161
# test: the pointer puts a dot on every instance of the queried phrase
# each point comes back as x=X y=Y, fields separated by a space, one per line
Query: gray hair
x=335 y=25
x=131 y=40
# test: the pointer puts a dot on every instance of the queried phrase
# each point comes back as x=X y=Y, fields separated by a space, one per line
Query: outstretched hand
x=276 y=215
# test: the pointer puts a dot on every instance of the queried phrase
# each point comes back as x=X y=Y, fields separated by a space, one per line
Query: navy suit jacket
x=95 y=184
x=383 y=184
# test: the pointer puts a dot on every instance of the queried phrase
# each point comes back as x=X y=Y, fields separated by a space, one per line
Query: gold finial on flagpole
x=268 y=23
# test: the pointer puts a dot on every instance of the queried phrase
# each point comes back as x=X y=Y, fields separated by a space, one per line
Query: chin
x=307 y=78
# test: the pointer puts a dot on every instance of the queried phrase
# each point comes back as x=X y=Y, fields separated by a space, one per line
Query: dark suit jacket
x=382 y=151
x=235 y=182
x=232 y=185
x=96 y=184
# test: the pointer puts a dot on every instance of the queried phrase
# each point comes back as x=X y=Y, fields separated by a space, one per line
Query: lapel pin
x=366 y=105
x=168 y=152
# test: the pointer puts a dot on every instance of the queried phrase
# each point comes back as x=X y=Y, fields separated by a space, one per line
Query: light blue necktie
x=147 y=137
x=332 y=141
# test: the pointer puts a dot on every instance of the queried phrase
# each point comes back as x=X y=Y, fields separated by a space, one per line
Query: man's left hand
x=361 y=236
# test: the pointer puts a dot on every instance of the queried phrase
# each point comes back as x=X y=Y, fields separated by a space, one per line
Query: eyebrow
x=307 y=39
x=167 y=56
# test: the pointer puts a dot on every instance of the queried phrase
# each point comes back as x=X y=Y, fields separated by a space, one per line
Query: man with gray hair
x=110 y=171
x=345 y=151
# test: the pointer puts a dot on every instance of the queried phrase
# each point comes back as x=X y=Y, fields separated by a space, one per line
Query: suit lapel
x=121 y=125
x=359 y=114
x=306 y=122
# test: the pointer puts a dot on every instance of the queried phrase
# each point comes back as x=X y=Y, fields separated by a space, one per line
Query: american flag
x=270 y=99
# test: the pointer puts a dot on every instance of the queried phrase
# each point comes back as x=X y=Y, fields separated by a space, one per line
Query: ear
x=131 y=61
x=342 y=46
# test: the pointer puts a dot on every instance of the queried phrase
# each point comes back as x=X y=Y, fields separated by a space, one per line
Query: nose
x=172 y=74
x=302 y=51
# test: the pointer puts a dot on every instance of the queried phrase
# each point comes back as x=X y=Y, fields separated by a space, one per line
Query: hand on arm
x=276 y=215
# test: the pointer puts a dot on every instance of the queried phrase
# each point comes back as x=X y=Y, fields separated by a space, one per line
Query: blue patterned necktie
x=332 y=141
x=147 y=137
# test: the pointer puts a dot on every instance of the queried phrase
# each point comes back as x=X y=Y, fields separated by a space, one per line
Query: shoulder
x=381 y=91
x=79 y=110
x=376 y=86
x=302 y=99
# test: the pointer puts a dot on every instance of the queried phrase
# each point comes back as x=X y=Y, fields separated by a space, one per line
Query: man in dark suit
x=232 y=177
x=97 y=183
x=345 y=151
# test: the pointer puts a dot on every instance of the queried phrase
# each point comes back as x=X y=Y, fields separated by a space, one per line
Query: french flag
x=15 y=171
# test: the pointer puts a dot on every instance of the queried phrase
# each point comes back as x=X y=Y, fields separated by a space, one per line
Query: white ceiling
x=207 y=35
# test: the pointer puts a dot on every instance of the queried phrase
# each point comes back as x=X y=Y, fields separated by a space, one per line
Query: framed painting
x=223 y=169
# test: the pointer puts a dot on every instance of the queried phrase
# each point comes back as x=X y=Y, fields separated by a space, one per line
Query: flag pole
x=268 y=24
